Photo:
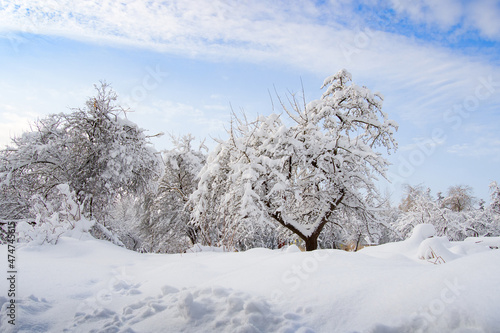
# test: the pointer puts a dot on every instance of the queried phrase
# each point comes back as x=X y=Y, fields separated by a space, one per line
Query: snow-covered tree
x=124 y=220
x=418 y=207
x=411 y=196
x=93 y=150
x=114 y=155
x=459 y=198
x=495 y=197
x=354 y=229
x=164 y=222
x=296 y=177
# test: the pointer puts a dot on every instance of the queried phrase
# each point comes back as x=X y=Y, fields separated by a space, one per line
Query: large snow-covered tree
x=113 y=155
x=94 y=150
x=296 y=177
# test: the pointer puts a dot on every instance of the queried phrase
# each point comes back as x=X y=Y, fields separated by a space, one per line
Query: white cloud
x=480 y=147
x=422 y=80
x=14 y=122
x=479 y=15
x=443 y=13
x=485 y=16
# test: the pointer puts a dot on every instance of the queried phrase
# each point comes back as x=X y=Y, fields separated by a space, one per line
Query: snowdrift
x=423 y=284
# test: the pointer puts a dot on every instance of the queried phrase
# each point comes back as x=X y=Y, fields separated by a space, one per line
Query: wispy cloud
x=419 y=143
x=422 y=78
x=486 y=146
x=185 y=118
x=15 y=122
x=480 y=16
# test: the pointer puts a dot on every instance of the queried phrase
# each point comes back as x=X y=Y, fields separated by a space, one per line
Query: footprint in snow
x=196 y=309
x=124 y=288
x=28 y=313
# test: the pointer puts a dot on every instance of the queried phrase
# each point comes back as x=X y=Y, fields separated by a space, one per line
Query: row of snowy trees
x=308 y=174
x=453 y=215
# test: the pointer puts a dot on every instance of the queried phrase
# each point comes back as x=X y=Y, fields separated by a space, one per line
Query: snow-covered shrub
x=56 y=215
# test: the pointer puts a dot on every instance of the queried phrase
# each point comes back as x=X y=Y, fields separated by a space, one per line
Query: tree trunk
x=312 y=242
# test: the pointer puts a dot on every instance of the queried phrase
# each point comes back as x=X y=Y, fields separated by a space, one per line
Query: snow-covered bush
x=56 y=215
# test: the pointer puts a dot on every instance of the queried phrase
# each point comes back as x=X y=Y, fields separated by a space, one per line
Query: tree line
x=307 y=174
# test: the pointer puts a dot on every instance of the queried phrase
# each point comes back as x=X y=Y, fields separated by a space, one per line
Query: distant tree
x=296 y=177
x=124 y=219
x=357 y=228
x=459 y=198
x=495 y=197
x=418 y=207
x=411 y=195
x=481 y=204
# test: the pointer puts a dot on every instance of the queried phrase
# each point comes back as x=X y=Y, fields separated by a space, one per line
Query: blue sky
x=181 y=65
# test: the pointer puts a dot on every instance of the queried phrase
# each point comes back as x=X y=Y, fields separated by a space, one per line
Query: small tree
x=296 y=177
x=418 y=207
x=164 y=222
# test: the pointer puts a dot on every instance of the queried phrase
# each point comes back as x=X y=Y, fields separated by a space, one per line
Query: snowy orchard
x=309 y=176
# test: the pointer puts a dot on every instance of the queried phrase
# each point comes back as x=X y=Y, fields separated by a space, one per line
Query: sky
x=183 y=66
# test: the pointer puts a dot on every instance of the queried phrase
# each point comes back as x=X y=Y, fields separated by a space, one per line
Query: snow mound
x=425 y=245
x=292 y=248
x=436 y=250
x=491 y=242
x=421 y=232
x=95 y=286
x=458 y=323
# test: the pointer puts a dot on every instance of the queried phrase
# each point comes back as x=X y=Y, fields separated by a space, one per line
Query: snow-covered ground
x=419 y=285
